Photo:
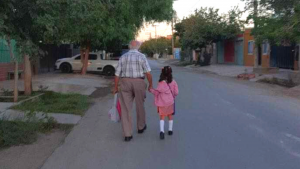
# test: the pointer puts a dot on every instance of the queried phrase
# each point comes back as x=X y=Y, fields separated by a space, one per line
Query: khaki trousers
x=132 y=89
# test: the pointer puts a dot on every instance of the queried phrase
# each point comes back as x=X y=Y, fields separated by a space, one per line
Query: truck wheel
x=66 y=68
x=109 y=71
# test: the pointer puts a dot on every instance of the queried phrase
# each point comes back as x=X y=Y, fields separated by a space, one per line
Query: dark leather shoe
x=142 y=131
x=162 y=135
x=170 y=133
x=127 y=139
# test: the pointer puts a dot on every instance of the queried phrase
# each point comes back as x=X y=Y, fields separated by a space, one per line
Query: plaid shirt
x=133 y=64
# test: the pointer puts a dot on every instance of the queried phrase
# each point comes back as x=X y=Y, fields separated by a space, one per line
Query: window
x=250 y=47
x=78 y=57
x=265 y=48
x=92 y=57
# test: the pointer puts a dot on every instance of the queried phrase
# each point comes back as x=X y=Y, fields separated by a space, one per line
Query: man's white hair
x=135 y=45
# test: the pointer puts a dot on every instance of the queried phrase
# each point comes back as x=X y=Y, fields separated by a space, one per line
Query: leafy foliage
x=18 y=19
x=206 y=26
x=156 y=46
x=99 y=21
x=277 y=21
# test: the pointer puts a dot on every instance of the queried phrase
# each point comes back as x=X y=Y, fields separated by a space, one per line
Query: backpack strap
x=171 y=91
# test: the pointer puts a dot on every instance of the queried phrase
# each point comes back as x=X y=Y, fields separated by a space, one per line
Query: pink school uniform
x=165 y=96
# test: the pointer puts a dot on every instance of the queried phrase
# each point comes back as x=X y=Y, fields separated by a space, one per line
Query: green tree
x=97 y=23
x=207 y=26
x=18 y=19
x=277 y=21
x=157 y=46
x=5 y=32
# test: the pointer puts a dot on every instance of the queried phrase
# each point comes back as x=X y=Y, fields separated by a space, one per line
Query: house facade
x=241 y=51
x=231 y=51
x=6 y=64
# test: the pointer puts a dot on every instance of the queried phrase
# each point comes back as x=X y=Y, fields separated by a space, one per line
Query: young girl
x=165 y=93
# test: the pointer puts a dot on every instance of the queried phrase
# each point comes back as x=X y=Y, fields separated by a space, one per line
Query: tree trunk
x=299 y=57
x=256 y=56
x=16 y=71
x=27 y=76
x=86 y=59
x=16 y=76
x=82 y=54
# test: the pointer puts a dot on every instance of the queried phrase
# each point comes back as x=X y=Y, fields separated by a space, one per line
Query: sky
x=184 y=8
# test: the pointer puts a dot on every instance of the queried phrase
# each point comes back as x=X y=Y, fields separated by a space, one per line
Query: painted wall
x=220 y=50
x=248 y=58
x=265 y=58
x=239 y=50
x=6 y=64
x=265 y=61
x=229 y=53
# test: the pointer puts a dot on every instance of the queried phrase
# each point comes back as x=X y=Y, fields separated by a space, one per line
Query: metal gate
x=229 y=51
x=52 y=53
x=283 y=56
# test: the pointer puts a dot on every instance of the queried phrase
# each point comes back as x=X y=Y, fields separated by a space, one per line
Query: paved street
x=220 y=124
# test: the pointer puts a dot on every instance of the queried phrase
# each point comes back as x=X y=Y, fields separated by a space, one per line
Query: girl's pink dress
x=165 y=96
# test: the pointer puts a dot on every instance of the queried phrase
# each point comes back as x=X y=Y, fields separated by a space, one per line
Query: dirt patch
x=101 y=92
x=31 y=156
x=283 y=83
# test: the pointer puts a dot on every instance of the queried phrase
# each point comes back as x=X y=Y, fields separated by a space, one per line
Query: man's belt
x=133 y=78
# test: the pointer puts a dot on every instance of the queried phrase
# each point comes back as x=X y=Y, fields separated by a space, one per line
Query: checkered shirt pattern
x=133 y=64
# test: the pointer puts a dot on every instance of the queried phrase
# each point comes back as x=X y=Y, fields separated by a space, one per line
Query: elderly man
x=131 y=71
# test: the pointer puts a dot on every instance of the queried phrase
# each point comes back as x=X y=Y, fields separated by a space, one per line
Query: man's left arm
x=147 y=70
x=149 y=78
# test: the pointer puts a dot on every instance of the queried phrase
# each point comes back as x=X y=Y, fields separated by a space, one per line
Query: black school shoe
x=127 y=139
x=170 y=133
x=142 y=131
x=162 y=135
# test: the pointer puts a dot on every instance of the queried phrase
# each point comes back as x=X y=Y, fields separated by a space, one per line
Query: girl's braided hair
x=166 y=74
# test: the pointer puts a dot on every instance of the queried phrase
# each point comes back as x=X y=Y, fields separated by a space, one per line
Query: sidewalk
x=62 y=83
x=223 y=70
x=60 y=118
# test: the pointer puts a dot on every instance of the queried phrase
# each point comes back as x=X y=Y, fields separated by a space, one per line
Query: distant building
x=169 y=37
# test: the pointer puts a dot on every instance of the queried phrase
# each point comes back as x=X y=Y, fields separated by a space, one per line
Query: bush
x=17 y=132
x=13 y=133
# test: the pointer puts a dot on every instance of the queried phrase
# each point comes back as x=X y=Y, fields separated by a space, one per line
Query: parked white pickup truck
x=96 y=64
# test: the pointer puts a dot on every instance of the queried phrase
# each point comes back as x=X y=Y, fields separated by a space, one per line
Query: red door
x=229 y=51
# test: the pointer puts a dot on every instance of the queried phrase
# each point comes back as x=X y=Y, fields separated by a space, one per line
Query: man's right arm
x=116 y=89
x=117 y=76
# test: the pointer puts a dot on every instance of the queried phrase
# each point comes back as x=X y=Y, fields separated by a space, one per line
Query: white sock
x=170 y=125
x=162 y=126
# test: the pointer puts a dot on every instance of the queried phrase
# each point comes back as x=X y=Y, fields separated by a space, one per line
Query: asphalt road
x=220 y=124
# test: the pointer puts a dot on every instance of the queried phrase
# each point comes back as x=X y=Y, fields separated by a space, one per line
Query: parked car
x=97 y=63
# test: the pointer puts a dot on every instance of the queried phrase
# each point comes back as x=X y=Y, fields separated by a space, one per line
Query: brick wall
x=249 y=59
x=6 y=67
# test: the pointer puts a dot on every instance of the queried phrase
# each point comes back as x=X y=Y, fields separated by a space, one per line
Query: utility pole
x=150 y=34
x=155 y=32
x=173 y=44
